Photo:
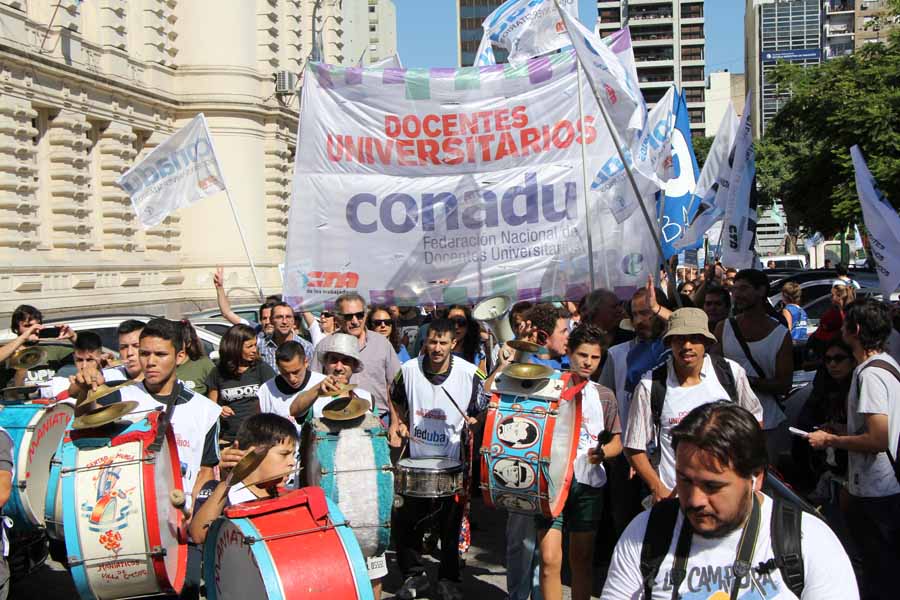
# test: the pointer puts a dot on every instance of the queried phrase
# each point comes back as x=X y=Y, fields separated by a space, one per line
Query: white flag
x=177 y=173
x=485 y=55
x=712 y=186
x=882 y=223
x=528 y=28
x=740 y=209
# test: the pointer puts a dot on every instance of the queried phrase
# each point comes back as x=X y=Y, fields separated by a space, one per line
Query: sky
x=426 y=32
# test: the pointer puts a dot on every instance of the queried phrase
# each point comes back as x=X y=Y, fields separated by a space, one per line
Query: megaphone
x=494 y=312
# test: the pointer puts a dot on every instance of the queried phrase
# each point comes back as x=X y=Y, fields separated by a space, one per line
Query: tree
x=702 y=144
x=804 y=157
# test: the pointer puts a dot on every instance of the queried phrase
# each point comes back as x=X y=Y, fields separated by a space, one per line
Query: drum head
x=35 y=454
x=562 y=449
x=434 y=463
x=167 y=477
x=231 y=569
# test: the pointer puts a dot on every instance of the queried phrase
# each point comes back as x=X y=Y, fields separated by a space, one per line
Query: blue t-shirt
x=798 y=322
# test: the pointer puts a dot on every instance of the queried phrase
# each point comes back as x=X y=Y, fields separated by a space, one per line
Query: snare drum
x=296 y=546
x=429 y=477
x=36 y=431
x=122 y=533
x=530 y=442
x=351 y=461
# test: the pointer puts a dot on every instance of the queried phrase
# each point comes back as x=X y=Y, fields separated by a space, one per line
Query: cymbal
x=248 y=464
x=104 y=416
x=23 y=389
x=341 y=391
x=27 y=358
x=345 y=409
x=529 y=371
x=92 y=401
x=523 y=346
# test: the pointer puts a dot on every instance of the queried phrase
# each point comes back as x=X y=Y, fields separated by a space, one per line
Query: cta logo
x=330 y=279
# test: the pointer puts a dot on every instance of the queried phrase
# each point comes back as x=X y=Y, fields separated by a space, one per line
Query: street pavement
x=483 y=578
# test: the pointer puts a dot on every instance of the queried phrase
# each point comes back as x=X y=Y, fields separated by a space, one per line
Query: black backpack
x=658 y=385
x=883 y=364
x=784 y=530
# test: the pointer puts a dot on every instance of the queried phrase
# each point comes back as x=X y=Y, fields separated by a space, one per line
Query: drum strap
x=166 y=418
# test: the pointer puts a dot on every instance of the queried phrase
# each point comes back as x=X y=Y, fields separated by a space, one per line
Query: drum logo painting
x=108 y=513
x=518 y=432
x=513 y=473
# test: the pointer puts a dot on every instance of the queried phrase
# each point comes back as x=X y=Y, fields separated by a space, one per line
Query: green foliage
x=702 y=145
x=804 y=157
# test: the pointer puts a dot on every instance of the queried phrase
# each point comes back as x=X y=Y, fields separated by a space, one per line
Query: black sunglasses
x=460 y=321
x=836 y=358
x=326 y=314
x=381 y=322
x=359 y=316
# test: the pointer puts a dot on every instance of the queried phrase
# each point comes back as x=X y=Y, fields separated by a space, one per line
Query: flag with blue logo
x=882 y=224
x=679 y=206
x=526 y=28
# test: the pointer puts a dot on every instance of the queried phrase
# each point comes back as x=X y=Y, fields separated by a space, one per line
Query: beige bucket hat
x=689 y=321
x=343 y=344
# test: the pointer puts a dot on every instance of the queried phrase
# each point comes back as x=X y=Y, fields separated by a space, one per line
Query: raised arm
x=222 y=298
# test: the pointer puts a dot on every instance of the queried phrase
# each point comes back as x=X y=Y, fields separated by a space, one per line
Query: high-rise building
x=369 y=31
x=838 y=28
x=872 y=22
x=90 y=88
x=778 y=30
x=669 y=47
x=471 y=14
x=723 y=87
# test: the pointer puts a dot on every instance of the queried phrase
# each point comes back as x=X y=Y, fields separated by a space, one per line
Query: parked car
x=249 y=312
x=216 y=325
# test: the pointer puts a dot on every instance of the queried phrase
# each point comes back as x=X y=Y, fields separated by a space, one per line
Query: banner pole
x=240 y=229
x=584 y=183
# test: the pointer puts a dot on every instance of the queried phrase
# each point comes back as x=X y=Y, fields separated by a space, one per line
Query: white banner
x=449 y=185
x=712 y=186
x=526 y=28
x=739 y=221
x=882 y=223
x=177 y=173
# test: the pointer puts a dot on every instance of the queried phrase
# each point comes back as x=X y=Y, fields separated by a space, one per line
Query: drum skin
x=37 y=431
x=351 y=462
x=293 y=547
x=53 y=512
x=121 y=530
x=429 y=477
x=523 y=441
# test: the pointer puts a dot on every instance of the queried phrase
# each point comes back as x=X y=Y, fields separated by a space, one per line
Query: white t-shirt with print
x=872 y=475
x=827 y=571
x=273 y=400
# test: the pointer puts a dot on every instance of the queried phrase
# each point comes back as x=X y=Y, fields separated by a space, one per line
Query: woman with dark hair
x=825 y=407
x=467 y=335
x=381 y=320
x=196 y=369
x=235 y=383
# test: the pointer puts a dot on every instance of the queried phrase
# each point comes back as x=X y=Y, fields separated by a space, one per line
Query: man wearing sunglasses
x=377 y=355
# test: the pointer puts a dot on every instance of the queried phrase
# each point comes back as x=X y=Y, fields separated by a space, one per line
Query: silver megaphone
x=494 y=312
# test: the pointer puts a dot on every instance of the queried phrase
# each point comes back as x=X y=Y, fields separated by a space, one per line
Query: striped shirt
x=266 y=346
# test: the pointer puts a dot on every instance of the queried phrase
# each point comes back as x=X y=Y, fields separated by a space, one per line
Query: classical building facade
x=89 y=88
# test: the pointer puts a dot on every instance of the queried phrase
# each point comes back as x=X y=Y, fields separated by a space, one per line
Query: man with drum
x=294 y=377
x=599 y=440
x=436 y=396
x=194 y=418
x=88 y=354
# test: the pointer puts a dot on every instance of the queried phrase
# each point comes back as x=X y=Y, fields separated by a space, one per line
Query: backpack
x=658 y=385
x=784 y=530
x=883 y=364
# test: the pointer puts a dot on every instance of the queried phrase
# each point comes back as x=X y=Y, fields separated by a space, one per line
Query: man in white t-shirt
x=88 y=353
x=599 y=440
x=294 y=377
x=874 y=511
x=689 y=379
x=720 y=457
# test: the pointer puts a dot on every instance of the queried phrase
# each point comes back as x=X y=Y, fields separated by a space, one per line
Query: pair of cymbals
x=27 y=358
x=92 y=402
x=527 y=371
x=345 y=409
x=91 y=412
x=347 y=387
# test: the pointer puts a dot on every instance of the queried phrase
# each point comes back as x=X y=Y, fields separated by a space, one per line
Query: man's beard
x=728 y=527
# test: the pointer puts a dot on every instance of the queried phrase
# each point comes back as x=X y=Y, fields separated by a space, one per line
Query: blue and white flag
x=485 y=55
x=882 y=223
x=679 y=206
x=526 y=28
x=712 y=187
x=177 y=173
x=739 y=221
x=857 y=238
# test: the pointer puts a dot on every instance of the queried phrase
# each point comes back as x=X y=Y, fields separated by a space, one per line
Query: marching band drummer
x=195 y=418
x=88 y=353
x=431 y=393
x=599 y=440
x=294 y=377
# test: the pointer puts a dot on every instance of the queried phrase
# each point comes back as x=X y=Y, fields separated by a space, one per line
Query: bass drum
x=296 y=546
x=123 y=536
x=37 y=430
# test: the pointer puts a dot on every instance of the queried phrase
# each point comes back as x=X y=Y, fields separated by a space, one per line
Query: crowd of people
x=688 y=410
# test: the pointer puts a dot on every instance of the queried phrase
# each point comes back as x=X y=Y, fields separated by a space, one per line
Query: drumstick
x=464 y=415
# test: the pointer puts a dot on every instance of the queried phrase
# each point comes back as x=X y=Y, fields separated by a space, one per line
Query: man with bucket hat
x=690 y=378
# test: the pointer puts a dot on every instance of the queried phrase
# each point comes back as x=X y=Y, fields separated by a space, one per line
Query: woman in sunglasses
x=322 y=326
x=468 y=335
x=825 y=408
x=380 y=320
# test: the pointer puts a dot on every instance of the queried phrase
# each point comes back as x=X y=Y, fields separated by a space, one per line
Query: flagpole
x=585 y=185
x=634 y=186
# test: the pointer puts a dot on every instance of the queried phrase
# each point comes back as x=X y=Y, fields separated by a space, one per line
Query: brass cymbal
x=27 y=358
x=523 y=346
x=529 y=371
x=92 y=402
x=341 y=391
x=104 y=416
x=22 y=389
x=248 y=464
x=345 y=409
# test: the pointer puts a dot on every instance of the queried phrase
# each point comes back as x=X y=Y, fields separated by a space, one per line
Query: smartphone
x=799 y=432
x=49 y=333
